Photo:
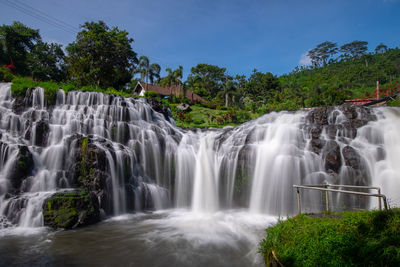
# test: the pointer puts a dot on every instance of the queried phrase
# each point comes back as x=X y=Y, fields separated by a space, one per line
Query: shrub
x=20 y=85
x=150 y=94
x=6 y=75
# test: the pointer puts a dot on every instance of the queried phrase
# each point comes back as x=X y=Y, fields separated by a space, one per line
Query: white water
x=154 y=165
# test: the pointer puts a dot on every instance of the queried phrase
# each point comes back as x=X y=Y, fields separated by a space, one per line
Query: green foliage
x=6 y=75
x=101 y=56
x=394 y=103
x=147 y=71
x=47 y=62
x=345 y=79
x=370 y=238
x=173 y=77
x=20 y=85
x=202 y=117
x=16 y=42
x=319 y=56
x=150 y=94
x=206 y=80
x=262 y=87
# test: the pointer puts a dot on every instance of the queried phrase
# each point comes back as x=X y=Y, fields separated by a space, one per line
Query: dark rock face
x=326 y=120
x=22 y=167
x=69 y=210
x=159 y=107
x=351 y=157
x=41 y=133
x=333 y=160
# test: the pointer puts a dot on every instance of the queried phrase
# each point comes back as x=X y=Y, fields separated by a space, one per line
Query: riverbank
x=367 y=238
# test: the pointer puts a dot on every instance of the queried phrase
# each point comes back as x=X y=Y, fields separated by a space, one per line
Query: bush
x=394 y=103
x=6 y=75
x=150 y=94
x=20 y=85
x=243 y=116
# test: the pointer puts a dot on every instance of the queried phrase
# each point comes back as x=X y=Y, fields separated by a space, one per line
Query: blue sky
x=269 y=35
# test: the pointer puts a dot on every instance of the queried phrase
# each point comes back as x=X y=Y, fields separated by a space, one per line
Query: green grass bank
x=365 y=238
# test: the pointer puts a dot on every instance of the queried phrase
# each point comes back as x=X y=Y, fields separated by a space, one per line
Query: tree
x=260 y=87
x=16 y=42
x=172 y=78
x=147 y=72
x=354 y=49
x=47 y=62
x=206 y=80
x=380 y=49
x=101 y=56
x=319 y=56
x=228 y=91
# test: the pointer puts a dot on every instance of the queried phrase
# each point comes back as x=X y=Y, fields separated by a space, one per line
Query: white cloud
x=305 y=60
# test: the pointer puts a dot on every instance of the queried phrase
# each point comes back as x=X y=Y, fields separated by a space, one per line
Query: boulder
x=69 y=210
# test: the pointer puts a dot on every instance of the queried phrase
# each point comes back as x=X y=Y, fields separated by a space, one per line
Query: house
x=175 y=90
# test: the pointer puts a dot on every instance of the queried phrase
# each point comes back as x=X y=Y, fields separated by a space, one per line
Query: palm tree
x=228 y=91
x=172 y=78
x=147 y=72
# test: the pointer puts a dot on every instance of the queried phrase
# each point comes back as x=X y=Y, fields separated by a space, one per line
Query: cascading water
x=222 y=183
x=150 y=164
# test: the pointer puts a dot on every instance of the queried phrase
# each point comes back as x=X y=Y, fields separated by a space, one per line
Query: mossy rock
x=69 y=210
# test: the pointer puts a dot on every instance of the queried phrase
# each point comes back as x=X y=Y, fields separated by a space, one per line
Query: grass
x=367 y=238
x=202 y=117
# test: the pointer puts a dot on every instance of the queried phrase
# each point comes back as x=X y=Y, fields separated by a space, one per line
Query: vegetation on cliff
x=367 y=238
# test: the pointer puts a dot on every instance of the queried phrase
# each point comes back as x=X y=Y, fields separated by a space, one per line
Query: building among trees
x=176 y=90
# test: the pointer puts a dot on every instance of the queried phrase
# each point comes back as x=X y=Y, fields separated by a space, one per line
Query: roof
x=167 y=91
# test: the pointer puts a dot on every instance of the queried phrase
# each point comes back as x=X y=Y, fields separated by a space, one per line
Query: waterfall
x=132 y=158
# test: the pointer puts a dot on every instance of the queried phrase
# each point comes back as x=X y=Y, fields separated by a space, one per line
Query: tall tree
x=380 y=48
x=228 y=91
x=206 y=80
x=16 y=42
x=101 y=56
x=260 y=87
x=354 y=49
x=47 y=62
x=320 y=55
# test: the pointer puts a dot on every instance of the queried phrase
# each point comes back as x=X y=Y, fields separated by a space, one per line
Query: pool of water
x=163 y=238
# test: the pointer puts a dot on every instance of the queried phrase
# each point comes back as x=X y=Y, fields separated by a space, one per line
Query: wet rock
x=41 y=133
x=351 y=157
x=333 y=160
x=159 y=107
x=69 y=210
x=22 y=167
x=317 y=145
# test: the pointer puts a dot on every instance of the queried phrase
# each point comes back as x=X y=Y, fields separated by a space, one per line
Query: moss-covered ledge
x=69 y=210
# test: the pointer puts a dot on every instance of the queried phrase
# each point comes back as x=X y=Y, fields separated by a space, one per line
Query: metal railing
x=325 y=188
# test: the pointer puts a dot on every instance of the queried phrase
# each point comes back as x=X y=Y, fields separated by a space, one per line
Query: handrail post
x=298 y=201
x=327 y=201
x=385 y=202
x=379 y=199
